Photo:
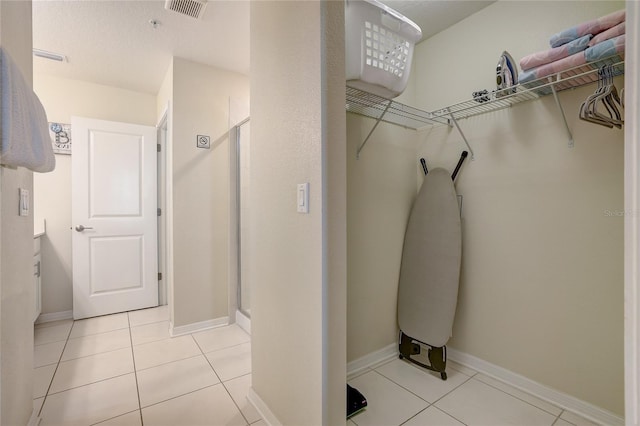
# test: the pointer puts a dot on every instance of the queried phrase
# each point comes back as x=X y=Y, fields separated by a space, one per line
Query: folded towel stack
x=587 y=42
x=25 y=133
x=593 y=27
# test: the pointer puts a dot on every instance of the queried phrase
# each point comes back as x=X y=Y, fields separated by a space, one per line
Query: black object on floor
x=355 y=401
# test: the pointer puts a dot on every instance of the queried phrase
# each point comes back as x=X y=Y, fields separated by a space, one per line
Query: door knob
x=81 y=228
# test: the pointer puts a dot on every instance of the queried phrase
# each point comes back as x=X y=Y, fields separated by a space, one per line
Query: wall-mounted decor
x=60 y=137
x=203 y=141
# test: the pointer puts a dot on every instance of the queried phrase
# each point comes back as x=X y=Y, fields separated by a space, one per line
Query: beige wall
x=297 y=129
x=542 y=281
x=381 y=187
x=62 y=99
x=201 y=189
x=16 y=248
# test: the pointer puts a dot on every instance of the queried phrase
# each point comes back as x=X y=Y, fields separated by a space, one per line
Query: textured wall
x=297 y=129
x=16 y=247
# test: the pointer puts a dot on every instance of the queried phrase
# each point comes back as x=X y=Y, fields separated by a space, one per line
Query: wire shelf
x=389 y=111
x=367 y=104
x=569 y=79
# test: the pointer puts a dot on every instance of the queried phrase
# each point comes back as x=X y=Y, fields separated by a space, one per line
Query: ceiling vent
x=193 y=8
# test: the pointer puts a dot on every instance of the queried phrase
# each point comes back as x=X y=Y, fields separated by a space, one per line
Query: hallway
x=124 y=369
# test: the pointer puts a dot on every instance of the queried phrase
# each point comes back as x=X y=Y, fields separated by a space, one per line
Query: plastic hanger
x=606 y=95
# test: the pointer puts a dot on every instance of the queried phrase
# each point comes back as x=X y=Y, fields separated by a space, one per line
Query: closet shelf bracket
x=378 y=120
x=389 y=111
x=564 y=117
x=464 y=138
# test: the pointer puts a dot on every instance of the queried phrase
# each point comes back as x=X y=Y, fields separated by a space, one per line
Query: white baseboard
x=34 y=420
x=543 y=392
x=560 y=399
x=359 y=365
x=54 y=316
x=243 y=321
x=263 y=409
x=197 y=326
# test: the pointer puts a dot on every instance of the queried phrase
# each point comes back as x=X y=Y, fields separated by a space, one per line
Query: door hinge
x=159 y=148
x=159 y=276
x=159 y=211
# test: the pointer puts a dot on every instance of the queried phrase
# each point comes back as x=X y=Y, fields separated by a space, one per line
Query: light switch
x=23 y=202
x=303 y=197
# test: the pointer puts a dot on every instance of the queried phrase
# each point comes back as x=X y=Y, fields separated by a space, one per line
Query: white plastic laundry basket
x=379 y=47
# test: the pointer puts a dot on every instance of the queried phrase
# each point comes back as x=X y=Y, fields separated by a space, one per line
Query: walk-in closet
x=542 y=207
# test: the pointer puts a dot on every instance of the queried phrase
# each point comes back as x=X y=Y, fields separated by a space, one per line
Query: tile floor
x=399 y=393
x=124 y=369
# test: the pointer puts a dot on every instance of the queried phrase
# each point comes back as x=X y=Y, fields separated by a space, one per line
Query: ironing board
x=430 y=271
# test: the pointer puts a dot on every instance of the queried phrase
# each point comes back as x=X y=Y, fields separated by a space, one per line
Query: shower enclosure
x=243 y=167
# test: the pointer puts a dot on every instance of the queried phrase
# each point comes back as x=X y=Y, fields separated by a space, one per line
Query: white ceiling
x=433 y=16
x=111 y=42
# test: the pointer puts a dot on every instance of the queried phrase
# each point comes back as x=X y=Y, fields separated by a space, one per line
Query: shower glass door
x=243 y=135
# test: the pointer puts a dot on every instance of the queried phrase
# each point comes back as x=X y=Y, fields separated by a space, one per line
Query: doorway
x=113 y=194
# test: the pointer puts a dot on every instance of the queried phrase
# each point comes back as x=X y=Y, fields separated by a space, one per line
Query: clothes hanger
x=605 y=95
x=586 y=106
x=612 y=99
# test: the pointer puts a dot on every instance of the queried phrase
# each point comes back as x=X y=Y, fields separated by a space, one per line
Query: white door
x=114 y=217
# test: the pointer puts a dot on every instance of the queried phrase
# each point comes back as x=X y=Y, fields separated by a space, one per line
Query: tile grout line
x=450 y=415
x=564 y=420
x=111 y=418
x=522 y=400
x=221 y=382
x=168 y=362
x=435 y=408
x=179 y=396
x=457 y=387
x=98 y=333
x=234 y=402
x=90 y=355
x=90 y=383
x=431 y=404
x=193 y=391
x=223 y=349
x=448 y=393
x=135 y=371
x=56 y=369
x=425 y=408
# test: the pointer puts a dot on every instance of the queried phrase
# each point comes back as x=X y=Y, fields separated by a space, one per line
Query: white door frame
x=632 y=218
x=162 y=206
x=166 y=244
